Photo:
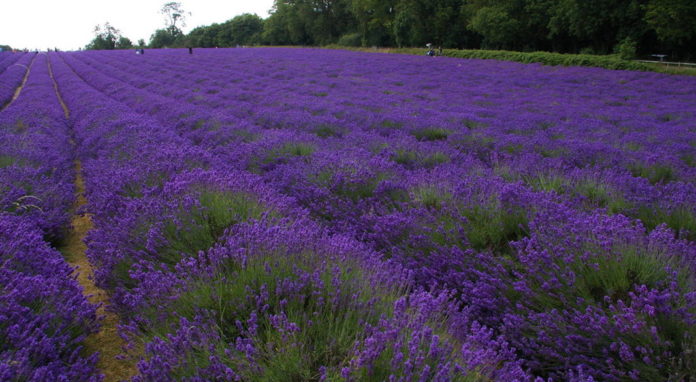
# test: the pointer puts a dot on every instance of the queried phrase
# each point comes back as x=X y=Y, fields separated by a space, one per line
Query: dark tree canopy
x=245 y=29
x=567 y=26
x=625 y=27
x=166 y=38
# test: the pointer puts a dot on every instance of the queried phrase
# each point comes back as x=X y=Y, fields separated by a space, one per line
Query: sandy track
x=106 y=341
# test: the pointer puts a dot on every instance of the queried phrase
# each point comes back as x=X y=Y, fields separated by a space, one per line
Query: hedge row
x=545 y=58
x=554 y=59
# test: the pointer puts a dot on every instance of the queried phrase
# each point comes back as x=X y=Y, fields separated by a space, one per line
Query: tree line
x=628 y=27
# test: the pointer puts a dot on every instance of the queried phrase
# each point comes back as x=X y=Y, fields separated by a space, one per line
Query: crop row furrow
x=44 y=316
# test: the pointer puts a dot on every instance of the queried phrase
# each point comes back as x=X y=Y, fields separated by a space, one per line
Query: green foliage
x=308 y=22
x=689 y=159
x=326 y=131
x=493 y=225
x=546 y=58
x=350 y=39
x=431 y=134
x=407 y=158
x=198 y=229
x=496 y=26
x=7 y=161
x=568 y=26
x=546 y=182
x=414 y=159
x=374 y=19
x=627 y=28
x=674 y=21
x=435 y=159
x=553 y=59
x=340 y=302
x=194 y=228
x=108 y=37
x=626 y=49
x=431 y=197
x=280 y=155
x=167 y=38
x=656 y=173
x=595 y=193
x=616 y=276
x=124 y=43
x=297 y=149
x=245 y=29
x=358 y=190
x=601 y=195
x=679 y=219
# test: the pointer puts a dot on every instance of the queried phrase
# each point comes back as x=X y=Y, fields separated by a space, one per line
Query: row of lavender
x=12 y=69
x=224 y=278
x=43 y=314
x=8 y=59
x=578 y=289
x=621 y=150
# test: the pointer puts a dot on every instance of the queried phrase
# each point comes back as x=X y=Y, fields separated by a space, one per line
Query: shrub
x=626 y=49
x=656 y=173
x=431 y=134
x=198 y=227
x=493 y=226
x=350 y=39
x=554 y=59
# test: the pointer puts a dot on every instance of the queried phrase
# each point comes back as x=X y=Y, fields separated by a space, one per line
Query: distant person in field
x=190 y=50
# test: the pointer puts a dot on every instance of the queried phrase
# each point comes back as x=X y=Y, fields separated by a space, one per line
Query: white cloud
x=69 y=24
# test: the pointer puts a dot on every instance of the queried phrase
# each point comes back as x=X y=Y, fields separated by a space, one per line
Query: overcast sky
x=69 y=24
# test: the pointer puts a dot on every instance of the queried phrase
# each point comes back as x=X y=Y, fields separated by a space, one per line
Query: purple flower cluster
x=270 y=214
x=44 y=316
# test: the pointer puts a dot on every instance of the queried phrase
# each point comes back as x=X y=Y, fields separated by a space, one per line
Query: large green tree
x=171 y=35
x=674 y=21
x=497 y=26
x=375 y=21
x=308 y=22
x=245 y=29
x=167 y=38
x=108 y=37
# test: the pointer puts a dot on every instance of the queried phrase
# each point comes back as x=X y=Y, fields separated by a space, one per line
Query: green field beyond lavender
x=278 y=214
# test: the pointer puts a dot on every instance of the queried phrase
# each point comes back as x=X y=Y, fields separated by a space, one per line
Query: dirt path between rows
x=106 y=341
x=18 y=91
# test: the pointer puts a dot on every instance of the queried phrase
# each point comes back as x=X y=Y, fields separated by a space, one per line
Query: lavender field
x=278 y=214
